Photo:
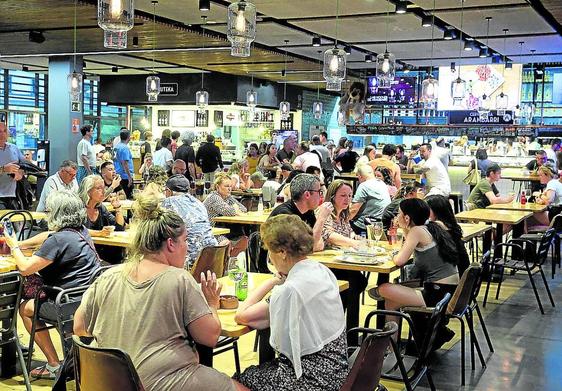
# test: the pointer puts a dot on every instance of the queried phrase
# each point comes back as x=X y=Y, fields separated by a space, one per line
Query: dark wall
x=222 y=88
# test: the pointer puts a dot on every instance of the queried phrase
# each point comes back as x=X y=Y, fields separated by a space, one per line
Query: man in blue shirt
x=10 y=173
x=123 y=161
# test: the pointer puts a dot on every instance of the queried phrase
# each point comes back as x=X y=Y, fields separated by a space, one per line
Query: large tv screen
x=402 y=91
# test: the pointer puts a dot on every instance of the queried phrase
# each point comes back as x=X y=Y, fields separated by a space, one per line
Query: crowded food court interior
x=313 y=195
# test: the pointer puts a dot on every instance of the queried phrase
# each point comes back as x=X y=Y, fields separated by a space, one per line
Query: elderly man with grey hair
x=64 y=179
x=369 y=200
x=306 y=193
x=186 y=153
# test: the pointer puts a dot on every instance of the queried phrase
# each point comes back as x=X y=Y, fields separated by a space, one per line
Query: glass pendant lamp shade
x=115 y=39
x=75 y=86
x=386 y=66
x=458 y=90
x=430 y=88
x=284 y=109
x=502 y=101
x=317 y=109
x=201 y=100
x=152 y=88
x=116 y=15
x=484 y=106
x=241 y=27
x=251 y=99
x=334 y=68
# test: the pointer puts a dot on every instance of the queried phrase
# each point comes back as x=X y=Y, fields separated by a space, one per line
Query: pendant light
x=153 y=81
x=252 y=97
x=386 y=62
x=241 y=27
x=116 y=17
x=75 y=78
x=485 y=100
x=430 y=86
x=284 y=106
x=334 y=62
x=458 y=86
x=317 y=106
x=502 y=100
x=202 y=96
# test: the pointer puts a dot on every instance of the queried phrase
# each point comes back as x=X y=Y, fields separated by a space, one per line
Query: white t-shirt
x=85 y=148
x=437 y=176
x=162 y=157
x=556 y=186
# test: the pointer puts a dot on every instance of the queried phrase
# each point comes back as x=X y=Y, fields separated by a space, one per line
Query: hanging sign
x=168 y=89
x=468 y=117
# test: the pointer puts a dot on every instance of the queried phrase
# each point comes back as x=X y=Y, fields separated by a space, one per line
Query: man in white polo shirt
x=434 y=171
x=64 y=179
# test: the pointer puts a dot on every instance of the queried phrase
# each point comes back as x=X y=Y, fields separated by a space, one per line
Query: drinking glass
x=528 y=193
x=377 y=231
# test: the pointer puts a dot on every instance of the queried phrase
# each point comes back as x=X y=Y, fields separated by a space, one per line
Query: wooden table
x=7 y=264
x=529 y=206
x=521 y=177
x=247 y=193
x=34 y=215
x=249 y=218
x=124 y=238
x=415 y=177
x=125 y=205
x=471 y=231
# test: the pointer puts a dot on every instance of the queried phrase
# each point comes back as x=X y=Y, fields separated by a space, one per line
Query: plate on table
x=366 y=252
x=362 y=260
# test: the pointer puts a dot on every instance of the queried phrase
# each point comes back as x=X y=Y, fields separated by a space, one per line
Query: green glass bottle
x=241 y=286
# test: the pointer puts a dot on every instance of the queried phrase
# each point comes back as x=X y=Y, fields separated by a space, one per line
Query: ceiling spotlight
x=283 y=72
x=483 y=53
x=453 y=67
x=347 y=49
x=406 y=68
x=369 y=58
x=469 y=38
x=468 y=46
x=84 y=64
x=316 y=41
x=401 y=7
x=114 y=69
x=135 y=41
x=427 y=20
x=204 y=5
x=449 y=35
x=36 y=36
x=24 y=68
x=508 y=64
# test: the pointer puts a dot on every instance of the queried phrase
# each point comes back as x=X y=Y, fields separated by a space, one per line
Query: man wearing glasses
x=541 y=159
x=306 y=193
x=64 y=179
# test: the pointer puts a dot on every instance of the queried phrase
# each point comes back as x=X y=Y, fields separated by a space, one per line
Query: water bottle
x=260 y=205
x=241 y=287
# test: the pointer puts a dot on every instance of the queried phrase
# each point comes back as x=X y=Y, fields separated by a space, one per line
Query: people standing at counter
x=123 y=162
x=485 y=192
x=388 y=152
x=186 y=153
x=209 y=158
x=163 y=157
x=85 y=153
x=435 y=173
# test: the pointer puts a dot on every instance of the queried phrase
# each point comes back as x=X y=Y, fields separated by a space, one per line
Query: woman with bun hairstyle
x=153 y=309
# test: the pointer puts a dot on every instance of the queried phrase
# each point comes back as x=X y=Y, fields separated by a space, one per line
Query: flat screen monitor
x=402 y=91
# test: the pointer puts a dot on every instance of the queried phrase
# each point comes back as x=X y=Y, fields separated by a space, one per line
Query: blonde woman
x=240 y=176
x=550 y=196
x=154 y=310
x=220 y=202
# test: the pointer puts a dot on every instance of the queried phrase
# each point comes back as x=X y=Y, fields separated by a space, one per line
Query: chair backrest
x=66 y=304
x=100 y=369
x=432 y=327
x=465 y=290
x=258 y=255
x=99 y=272
x=556 y=222
x=10 y=293
x=25 y=219
x=544 y=246
x=366 y=370
x=486 y=268
x=213 y=258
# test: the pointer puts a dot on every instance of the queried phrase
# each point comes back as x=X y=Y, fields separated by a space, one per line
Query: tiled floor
x=528 y=346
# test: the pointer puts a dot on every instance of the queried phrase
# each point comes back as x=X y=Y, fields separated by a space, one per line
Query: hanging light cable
x=284 y=106
x=430 y=85
x=485 y=101
x=75 y=78
x=116 y=17
x=502 y=100
x=334 y=61
x=153 y=81
x=386 y=62
x=202 y=96
x=458 y=86
x=317 y=106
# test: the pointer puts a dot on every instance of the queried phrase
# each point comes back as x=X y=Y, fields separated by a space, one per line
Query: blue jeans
x=83 y=173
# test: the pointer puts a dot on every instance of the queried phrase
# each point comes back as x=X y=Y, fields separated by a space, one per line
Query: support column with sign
x=65 y=116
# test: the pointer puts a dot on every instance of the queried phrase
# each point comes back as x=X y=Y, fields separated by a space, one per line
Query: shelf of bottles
x=287 y=124
x=551 y=110
x=202 y=119
x=257 y=119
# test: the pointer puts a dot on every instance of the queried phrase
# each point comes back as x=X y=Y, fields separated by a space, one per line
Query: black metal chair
x=524 y=256
x=535 y=235
x=101 y=369
x=367 y=360
x=24 y=223
x=66 y=303
x=474 y=307
x=412 y=368
x=10 y=294
x=99 y=272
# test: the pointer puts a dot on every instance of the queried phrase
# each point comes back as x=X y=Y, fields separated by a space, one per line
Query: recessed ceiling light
x=204 y=5
x=401 y=7
x=427 y=21
x=316 y=41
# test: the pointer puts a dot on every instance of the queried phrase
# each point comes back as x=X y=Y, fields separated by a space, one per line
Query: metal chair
x=413 y=368
x=213 y=258
x=525 y=256
x=99 y=272
x=367 y=360
x=10 y=294
x=100 y=369
x=26 y=221
x=485 y=263
x=535 y=234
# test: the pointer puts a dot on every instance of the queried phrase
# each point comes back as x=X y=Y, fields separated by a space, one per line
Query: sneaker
x=45 y=372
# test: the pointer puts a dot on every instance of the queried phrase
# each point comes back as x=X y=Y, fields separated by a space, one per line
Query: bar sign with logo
x=169 y=89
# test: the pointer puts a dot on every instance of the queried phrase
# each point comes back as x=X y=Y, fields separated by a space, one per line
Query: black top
x=282 y=155
x=390 y=212
x=104 y=219
x=289 y=208
x=347 y=160
x=187 y=154
x=74 y=260
x=208 y=157
x=144 y=149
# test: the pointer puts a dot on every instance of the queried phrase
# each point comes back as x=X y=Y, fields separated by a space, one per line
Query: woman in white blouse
x=304 y=295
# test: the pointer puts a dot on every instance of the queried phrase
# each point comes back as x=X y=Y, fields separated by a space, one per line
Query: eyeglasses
x=320 y=192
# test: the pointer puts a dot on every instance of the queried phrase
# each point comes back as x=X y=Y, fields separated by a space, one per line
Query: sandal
x=374 y=294
x=45 y=372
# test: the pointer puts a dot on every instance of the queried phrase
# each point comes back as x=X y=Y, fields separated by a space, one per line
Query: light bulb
x=115 y=8
x=430 y=90
x=385 y=65
x=240 y=21
x=201 y=99
x=334 y=64
x=74 y=83
x=153 y=85
x=251 y=98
